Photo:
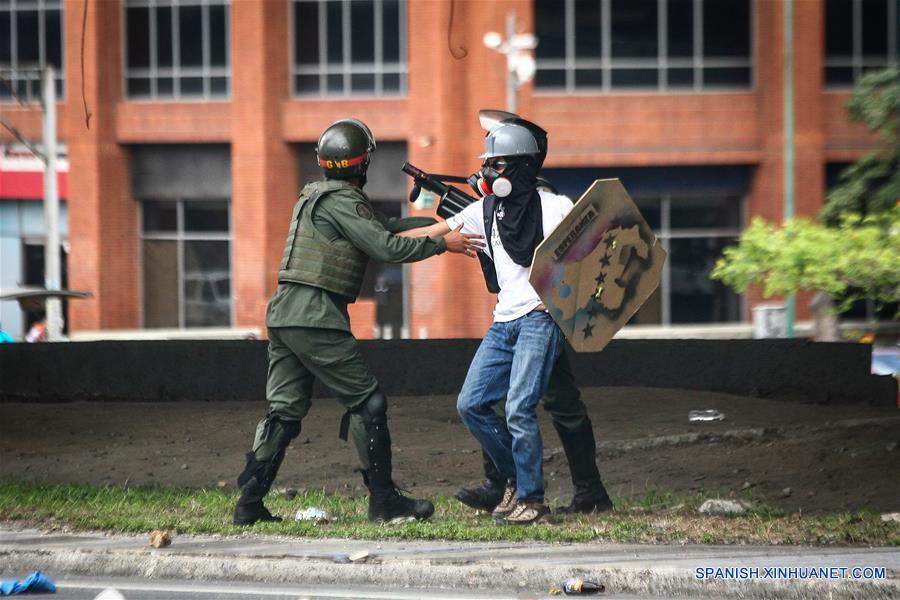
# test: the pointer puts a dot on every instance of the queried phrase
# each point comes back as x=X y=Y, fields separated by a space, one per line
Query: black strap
x=484 y=257
x=345 y=426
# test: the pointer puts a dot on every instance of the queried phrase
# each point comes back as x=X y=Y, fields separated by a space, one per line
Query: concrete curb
x=502 y=573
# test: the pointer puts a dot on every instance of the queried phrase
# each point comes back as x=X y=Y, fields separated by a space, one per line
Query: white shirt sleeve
x=471 y=218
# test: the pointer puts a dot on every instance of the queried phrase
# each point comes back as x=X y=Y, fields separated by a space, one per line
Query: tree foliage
x=872 y=184
x=858 y=258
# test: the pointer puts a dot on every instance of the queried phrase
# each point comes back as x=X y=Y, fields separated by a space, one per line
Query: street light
x=520 y=66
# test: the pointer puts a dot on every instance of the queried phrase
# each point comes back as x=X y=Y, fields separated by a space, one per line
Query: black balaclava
x=519 y=216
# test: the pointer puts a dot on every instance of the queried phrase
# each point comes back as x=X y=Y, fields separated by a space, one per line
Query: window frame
x=665 y=233
x=662 y=63
x=857 y=61
x=206 y=71
x=345 y=69
x=32 y=76
x=179 y=236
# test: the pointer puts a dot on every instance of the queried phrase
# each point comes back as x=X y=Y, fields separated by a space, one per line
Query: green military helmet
x=343 y=149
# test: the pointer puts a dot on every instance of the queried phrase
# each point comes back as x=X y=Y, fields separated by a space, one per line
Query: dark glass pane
x=306 y=33
x=218 y=37
x=696 y=213
x=839 y=27
x=34 y=88
x=53 y=39
x=726 y=77
x=588 y=78
x=635 y=78
x=160 y=258
x=335 y=29
x=726 y=28
x=164 y=37
x=550 y=28
x=206 y=216
x=138 y=32
x=587 y=28
x=335 y=83
x=191 y=86
x=650 y=312
x=839 y=76
x=159 y=216
x=165 y=86
x=681 y=77
x=875 y=28
x=207 y=284
x=694 y=296
x=634 y=28
x=5 y=38
x=190 y=36
x=27 y=36
x=650 y=210
x=550 y=78
x=138 y=86
x=60 y=89
x=306 y=84
x=218 y=86
x=362 y=83
x=390 y=82
x=362 y=42
x=681 y=27
x=391 y=30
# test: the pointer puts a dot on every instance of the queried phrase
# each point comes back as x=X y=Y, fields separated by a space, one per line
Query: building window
x=860 y=36
x=30 y=37
x=177 y=49
x=349 y=47
x=694 y=230
x=643 y=44
x=186 y=247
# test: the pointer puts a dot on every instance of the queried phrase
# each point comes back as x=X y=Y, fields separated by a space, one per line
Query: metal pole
x=789 y=140
x=52 y=272
x=511 y=83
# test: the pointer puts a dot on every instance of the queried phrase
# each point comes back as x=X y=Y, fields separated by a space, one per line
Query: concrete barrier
x=236 y=370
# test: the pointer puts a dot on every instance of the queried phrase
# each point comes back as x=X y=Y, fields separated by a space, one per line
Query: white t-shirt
x=516 y=298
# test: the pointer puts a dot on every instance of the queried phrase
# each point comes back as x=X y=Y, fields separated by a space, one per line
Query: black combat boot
x=489 y=494
x=255 y=482
x=385 y=500
x=581 y=449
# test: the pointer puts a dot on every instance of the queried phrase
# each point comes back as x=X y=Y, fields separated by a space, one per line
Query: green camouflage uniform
x=308 y=323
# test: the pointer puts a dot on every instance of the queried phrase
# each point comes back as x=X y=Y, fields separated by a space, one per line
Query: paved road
x=86 y=588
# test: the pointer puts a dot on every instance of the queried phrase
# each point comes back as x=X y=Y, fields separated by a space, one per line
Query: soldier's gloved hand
x=463 y=243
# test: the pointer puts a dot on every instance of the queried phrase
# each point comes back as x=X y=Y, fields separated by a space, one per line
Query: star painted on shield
x=600 y=278
x=610 y=240
x=605 y=260
x=588 y=330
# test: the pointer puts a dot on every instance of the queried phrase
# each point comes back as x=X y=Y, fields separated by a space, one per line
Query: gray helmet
x=343 y=149
x=510 y=139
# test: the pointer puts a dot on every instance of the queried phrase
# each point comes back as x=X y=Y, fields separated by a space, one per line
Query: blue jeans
x=513 y=364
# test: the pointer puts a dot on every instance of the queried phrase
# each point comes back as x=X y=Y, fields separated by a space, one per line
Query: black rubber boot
x=385 y=500
x=581 y=449
x=489 y=494
x=255 y=482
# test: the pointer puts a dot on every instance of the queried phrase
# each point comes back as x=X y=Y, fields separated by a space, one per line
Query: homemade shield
x=596 y=269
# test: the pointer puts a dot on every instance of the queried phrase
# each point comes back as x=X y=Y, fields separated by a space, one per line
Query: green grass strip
x=653 y=518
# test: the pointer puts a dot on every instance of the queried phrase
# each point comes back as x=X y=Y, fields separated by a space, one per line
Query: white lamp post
x=520 y=64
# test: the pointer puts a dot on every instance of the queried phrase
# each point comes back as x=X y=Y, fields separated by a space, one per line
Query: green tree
x=872 y=184
x=858 y=258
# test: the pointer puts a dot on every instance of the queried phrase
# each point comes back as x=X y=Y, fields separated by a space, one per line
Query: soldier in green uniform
x=334 y=231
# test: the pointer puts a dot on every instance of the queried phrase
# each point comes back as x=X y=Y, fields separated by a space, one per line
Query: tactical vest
x=310 y=258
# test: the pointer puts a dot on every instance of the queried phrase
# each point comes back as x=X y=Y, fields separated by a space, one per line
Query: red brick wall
x=438 y=121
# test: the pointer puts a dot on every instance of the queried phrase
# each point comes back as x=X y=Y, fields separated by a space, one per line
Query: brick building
x=204 y=115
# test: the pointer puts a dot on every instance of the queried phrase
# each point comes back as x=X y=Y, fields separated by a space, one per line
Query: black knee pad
x=374 y=410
